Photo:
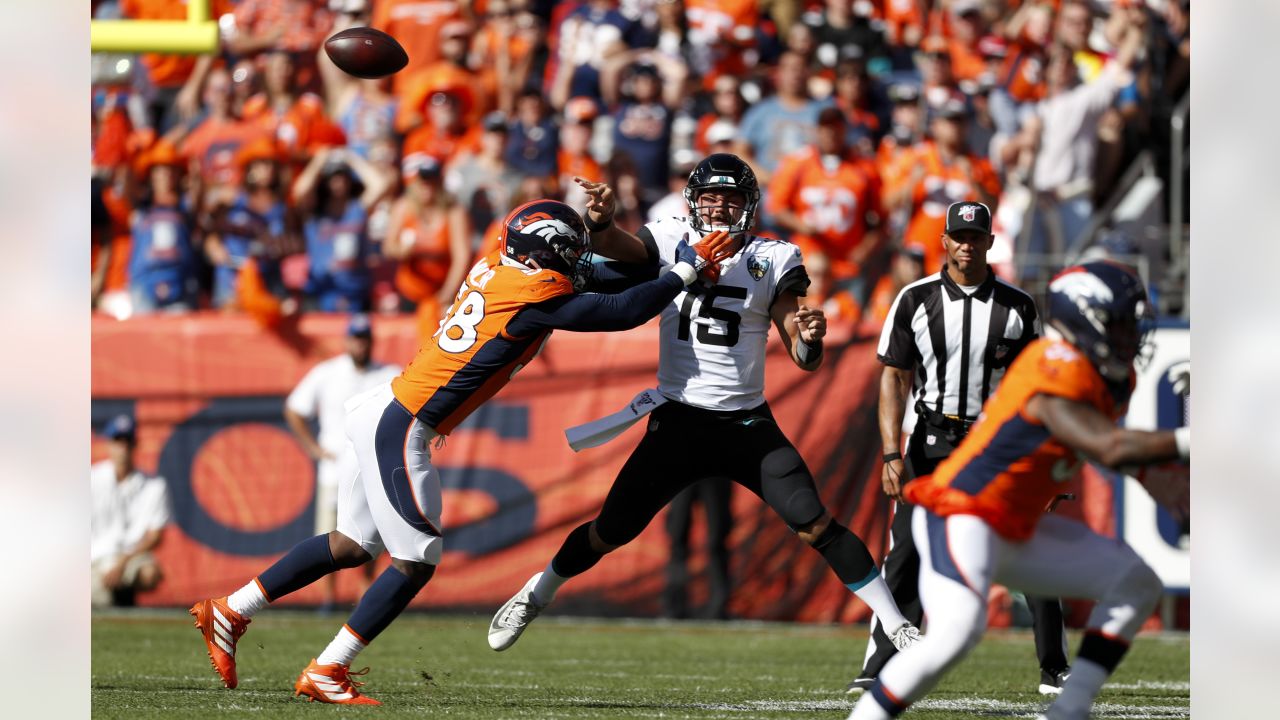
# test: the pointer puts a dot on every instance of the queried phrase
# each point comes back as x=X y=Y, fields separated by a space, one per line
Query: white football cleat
x=905 y=636
x=514 y=616
x=1051 y=684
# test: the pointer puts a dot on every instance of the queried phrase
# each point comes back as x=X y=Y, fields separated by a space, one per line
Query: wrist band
x=593 y=226
x=1182 y=437
x=890 y=457
x=808 y=352
x=686 y=272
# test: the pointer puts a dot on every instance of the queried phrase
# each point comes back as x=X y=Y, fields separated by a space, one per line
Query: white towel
x=599 y=432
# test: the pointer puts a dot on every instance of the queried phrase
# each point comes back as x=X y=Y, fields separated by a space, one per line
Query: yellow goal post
x=197 y=35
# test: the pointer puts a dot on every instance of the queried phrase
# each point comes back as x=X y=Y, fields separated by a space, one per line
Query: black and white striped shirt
x=958 y=342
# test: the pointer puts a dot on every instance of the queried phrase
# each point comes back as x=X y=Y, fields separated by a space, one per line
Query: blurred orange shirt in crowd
x=167 y=70
x=583 y=166
x=938 y=187
x=120 y=242
x=833 y=202
x=213 y=144
x=728 y=27
x=416 y=25
x=294 y=127
x=444 y=147
x=477 y=92
x=305 y=23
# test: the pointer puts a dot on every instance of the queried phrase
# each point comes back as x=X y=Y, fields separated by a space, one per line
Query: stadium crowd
x=265 y=180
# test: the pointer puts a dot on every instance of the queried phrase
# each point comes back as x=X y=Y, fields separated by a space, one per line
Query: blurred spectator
x=906 y=129
x=246 y=83
x=162 y=263
x=905 y=267
x=129 y=512
x=212 y=144
x=722 y=34
x=642 y=128
x=295 y=27
x=534 y=139
x=482 y=181
x=670 y=37
x=727 y=104
x=364 y=109
x=620 y=174
x=335 y=193
x=112 y=244
x=942 y=171
x=429 y=234
x=170 y=82
x=982 y=125
x=827 y=197
x=1072 y=29
x=416 y=25
x=320 y=396
x=529 y=189
x=714 y=495
x=841 y=33
x=722 y=137
x=968 y=27
x=855 y=95
x=446 y=133
x=1065 y=131
x=254 y=223
x=475 y=89
x=509 y=43
x=782 y=124
x=575 y=159
x=673 y=204
x=904 y=23
x=289 y=115
x=938 y=82
x=1028 y=34
x=592 y=33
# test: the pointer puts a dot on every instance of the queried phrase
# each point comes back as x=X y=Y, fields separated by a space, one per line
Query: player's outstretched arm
x=1084 y=428
x=605 y=313
x=608 y=239
x=801 y=327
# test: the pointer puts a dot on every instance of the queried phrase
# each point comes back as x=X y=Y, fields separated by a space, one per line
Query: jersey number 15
x=707 y=312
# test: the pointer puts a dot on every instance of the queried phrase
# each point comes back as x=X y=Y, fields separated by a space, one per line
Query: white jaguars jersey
x=713 y=339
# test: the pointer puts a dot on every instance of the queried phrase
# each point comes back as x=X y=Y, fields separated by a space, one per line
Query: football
x=366 y=53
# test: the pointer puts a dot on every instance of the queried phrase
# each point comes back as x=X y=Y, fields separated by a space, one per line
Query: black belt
x=953 y=425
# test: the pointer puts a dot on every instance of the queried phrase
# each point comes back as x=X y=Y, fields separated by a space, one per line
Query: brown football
x=366 y=53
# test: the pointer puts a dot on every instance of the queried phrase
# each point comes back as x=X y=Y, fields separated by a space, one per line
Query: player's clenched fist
x=812 y=323
x=600 y=200
x=712 y=250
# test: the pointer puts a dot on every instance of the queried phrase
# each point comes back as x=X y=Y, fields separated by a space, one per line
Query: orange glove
x=713 y=249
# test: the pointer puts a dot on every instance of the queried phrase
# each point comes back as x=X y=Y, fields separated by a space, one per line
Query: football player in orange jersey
x=980 y=516
x=504 y=312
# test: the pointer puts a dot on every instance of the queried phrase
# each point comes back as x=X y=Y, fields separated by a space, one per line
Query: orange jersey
x=416 y=25
x=420 y=275
x=834 y=202
x=1009 y=466
x=940 y=186
x=471 y=356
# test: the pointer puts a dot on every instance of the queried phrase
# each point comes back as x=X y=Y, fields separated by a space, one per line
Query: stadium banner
x=208 y=392
x=1150 y=530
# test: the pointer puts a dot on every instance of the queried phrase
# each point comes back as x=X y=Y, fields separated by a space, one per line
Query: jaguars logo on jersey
x=757 y=266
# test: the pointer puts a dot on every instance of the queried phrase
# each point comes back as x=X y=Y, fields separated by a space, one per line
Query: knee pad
x=788 y=488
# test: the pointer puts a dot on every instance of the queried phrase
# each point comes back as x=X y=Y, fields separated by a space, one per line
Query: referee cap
x=967 y=215
x=359 y=326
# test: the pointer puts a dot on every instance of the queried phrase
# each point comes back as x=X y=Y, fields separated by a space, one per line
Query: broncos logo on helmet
x=1102 y=309
x=548 y=234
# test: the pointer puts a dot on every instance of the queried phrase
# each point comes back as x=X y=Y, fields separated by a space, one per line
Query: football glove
x=712 y=249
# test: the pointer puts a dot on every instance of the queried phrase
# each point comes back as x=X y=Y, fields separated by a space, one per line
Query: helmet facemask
x=744 y=205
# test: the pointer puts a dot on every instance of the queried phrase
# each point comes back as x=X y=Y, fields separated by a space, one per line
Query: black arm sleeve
x=598 y=313
x=613 y=277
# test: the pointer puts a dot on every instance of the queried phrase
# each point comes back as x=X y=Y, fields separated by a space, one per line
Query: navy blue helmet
x=551 y=235
x=723 y=171
x=1101 y=307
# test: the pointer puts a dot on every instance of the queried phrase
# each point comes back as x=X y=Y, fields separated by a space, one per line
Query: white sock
x=545 y=589
x=877 y=596
x=343 y=649
x=868 y=709
x=248 y=600
x=1081 y=689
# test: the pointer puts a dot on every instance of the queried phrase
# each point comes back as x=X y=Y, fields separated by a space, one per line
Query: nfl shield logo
x=757 y=266
x=968 y=211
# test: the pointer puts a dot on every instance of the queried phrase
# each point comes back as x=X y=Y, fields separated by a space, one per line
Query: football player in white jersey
x=711 y=375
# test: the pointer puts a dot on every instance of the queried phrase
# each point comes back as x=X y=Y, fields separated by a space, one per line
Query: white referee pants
x=961 y=556
x=393 y=498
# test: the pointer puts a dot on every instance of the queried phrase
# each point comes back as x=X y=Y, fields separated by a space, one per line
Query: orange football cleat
x=221 y=627
x=331 y=684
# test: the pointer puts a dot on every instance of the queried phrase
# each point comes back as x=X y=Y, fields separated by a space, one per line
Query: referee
x=947 y=342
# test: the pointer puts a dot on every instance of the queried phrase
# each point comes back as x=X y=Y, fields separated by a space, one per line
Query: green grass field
x=153 y=665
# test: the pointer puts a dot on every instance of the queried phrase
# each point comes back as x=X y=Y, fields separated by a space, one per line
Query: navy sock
x=383 y=602
x=576 y=555
x=846 y=554
x=1103 y=650
x=307 y=562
